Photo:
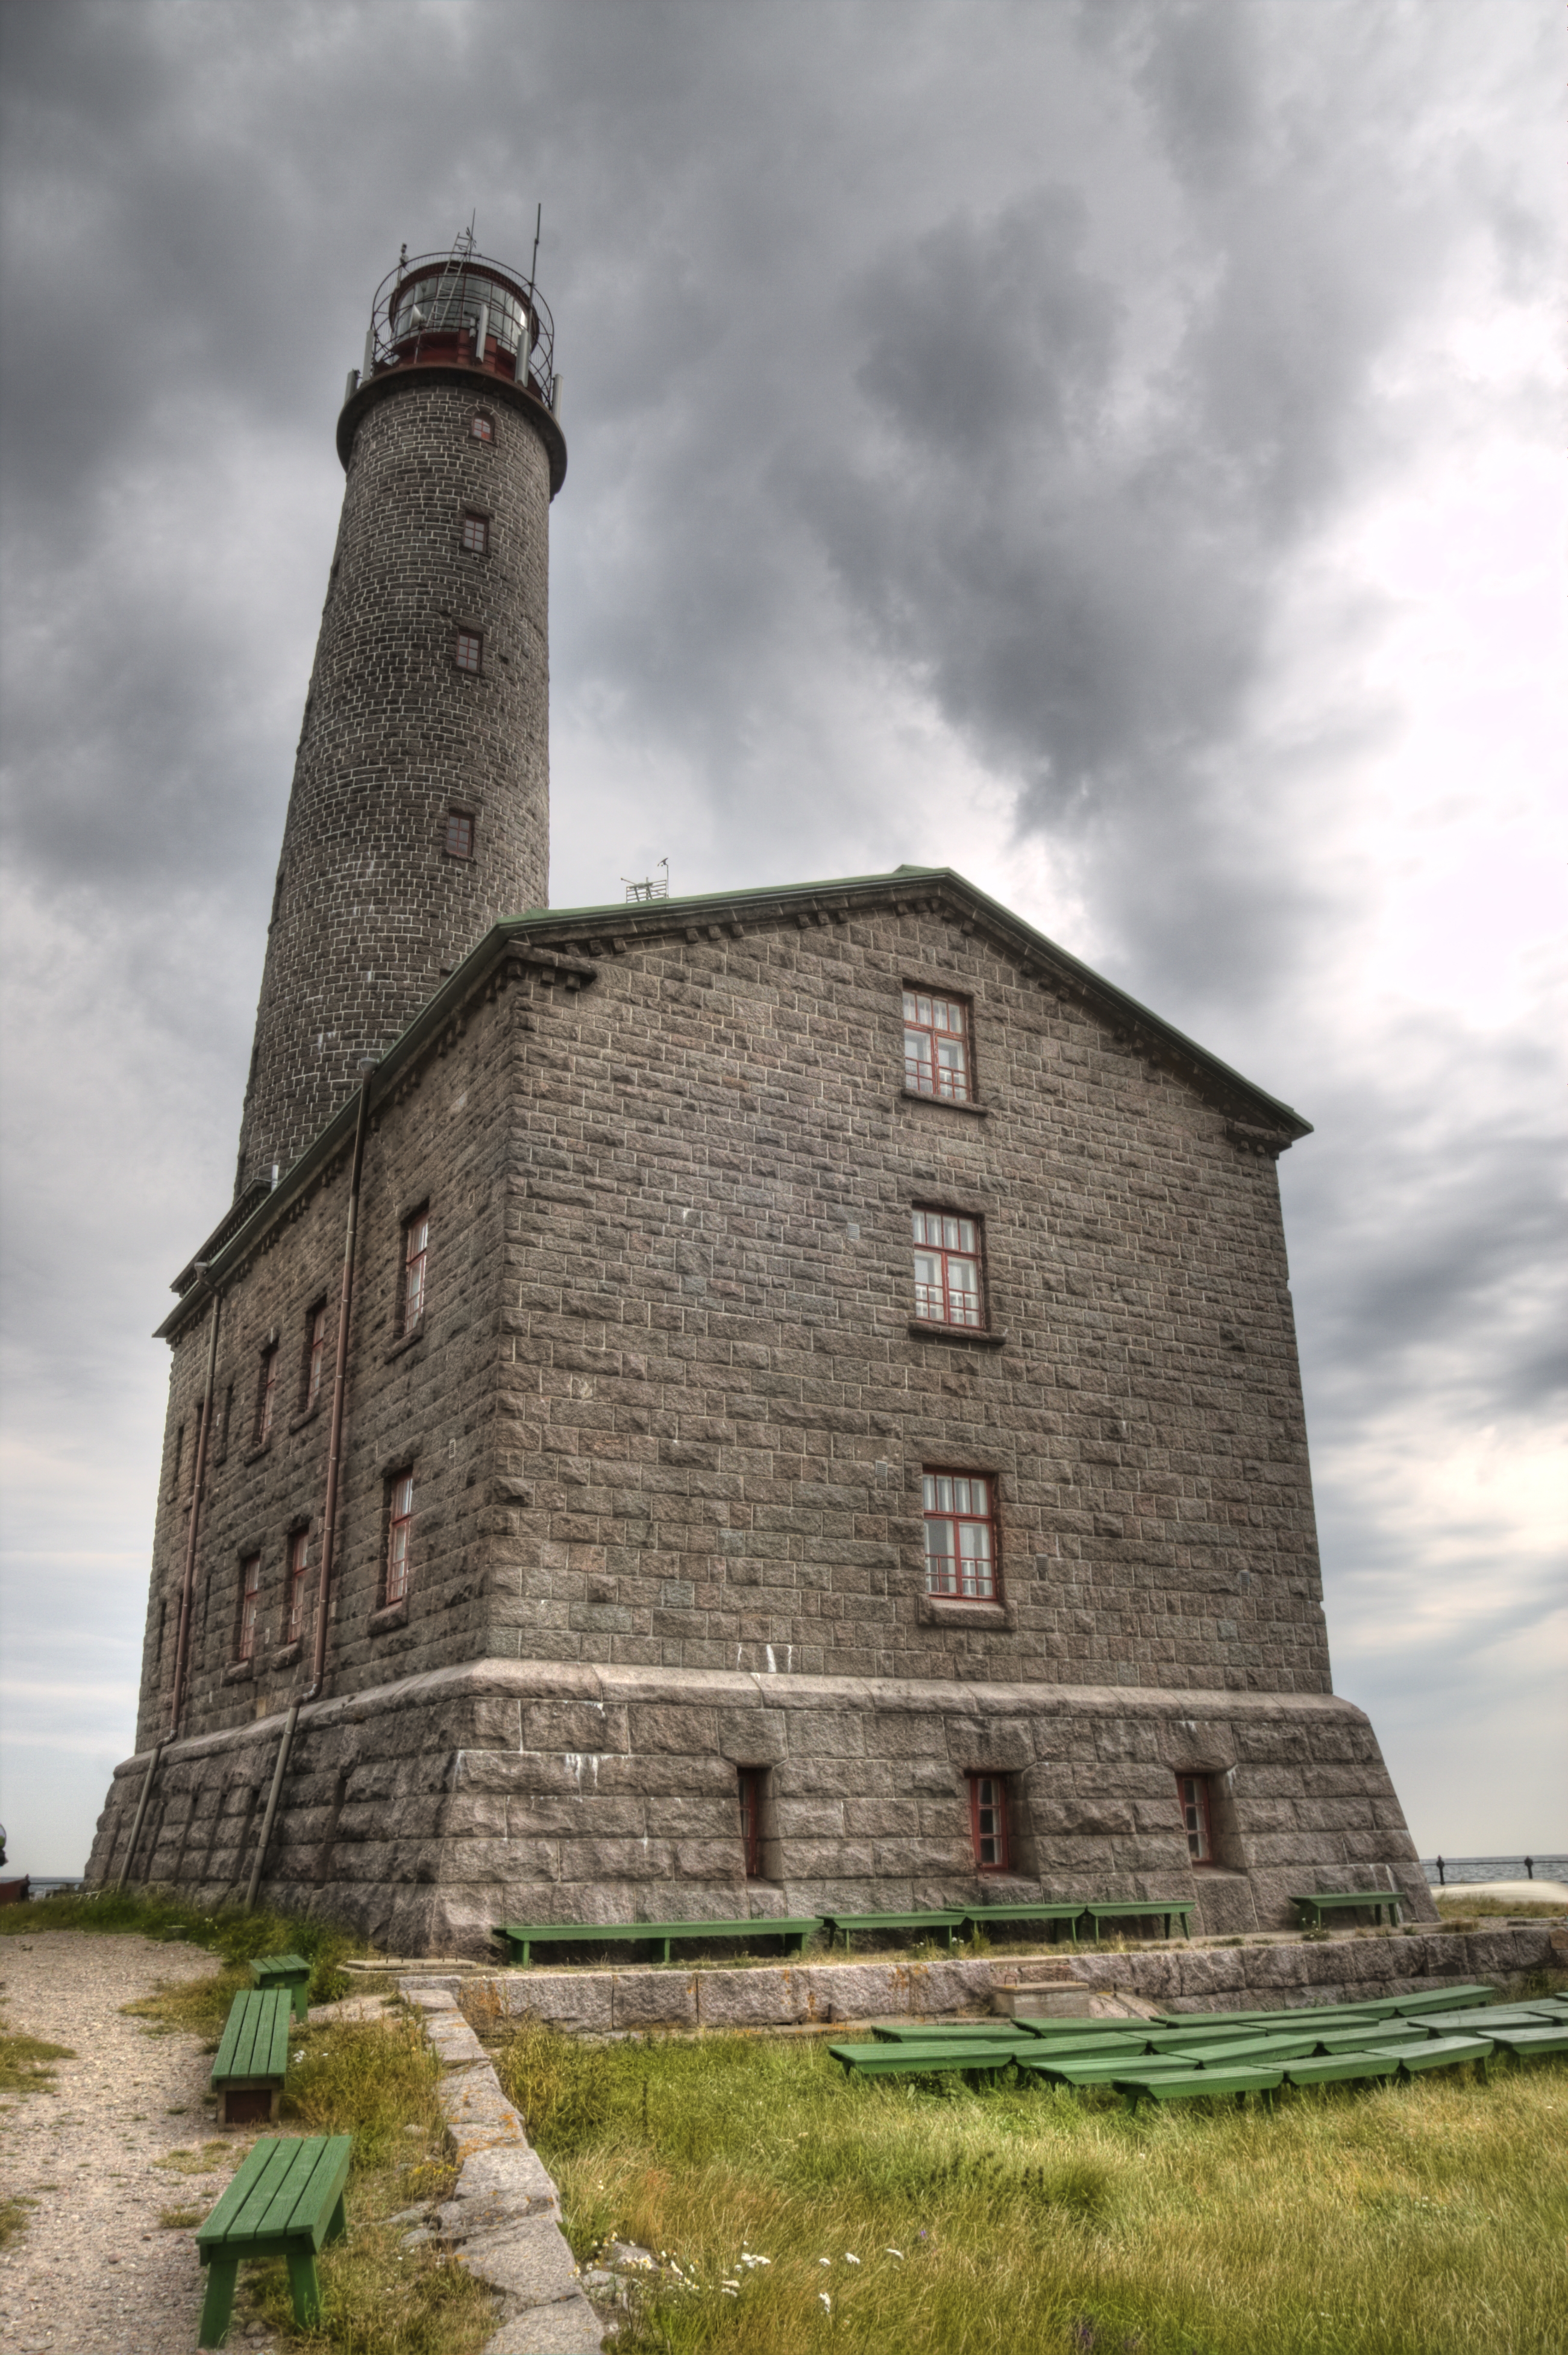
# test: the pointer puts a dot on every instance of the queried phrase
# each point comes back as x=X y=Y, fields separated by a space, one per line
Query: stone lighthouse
x=420 y=811
x=710 y=1407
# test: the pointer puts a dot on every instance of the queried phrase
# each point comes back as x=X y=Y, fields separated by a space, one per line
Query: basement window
x=476 y=535
x=750 y=1786
x=936 y=1047
x=1192 y=1792
x=469 y=652
x=947 y=1289
x=988 y=1821
x=960 y=1535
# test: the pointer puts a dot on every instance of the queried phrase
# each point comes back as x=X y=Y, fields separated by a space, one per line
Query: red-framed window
x=459 y=834
x=416 y=1257
x=947 y=1286
x=751 y=1783
x=400 y=1532
x=1192 y=1793
x=936 y=1046
x=476 y=534
x=267 y=1395
x=988 y=1821
x=469 y=652
x=961 y=1534
x=315 y=1354
x=481 y=427
x=294 y=1586
x=250 y=1603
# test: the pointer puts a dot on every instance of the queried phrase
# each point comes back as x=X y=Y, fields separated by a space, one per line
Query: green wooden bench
x=1094 y=2068
x=1341 y=2068
x=522 y=1937
x=937 y=2031
x=291 y=1971
x=972 y=2056
x=1529 y=2043
x=252 y=2055
x=1081 y=2024
x=1141 y=1909
x=983 y=1917
x=1199 y=2084
x=1459 y=1998
x=1091 y=2042
x=944 y=1923
x=1312 y=1908
x=286 y=2201
x=1481 y=2021
x=1246 y=2050
x=1441 y=2052
x=1278 y=2016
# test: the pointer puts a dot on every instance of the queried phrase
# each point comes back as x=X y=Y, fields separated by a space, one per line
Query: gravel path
x=94 y=2274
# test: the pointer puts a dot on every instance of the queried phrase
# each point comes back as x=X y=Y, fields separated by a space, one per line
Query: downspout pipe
x=140 y=1811
x=340 y=1397
x=284 y=1746
x=198 y=1480
x=329 y=1510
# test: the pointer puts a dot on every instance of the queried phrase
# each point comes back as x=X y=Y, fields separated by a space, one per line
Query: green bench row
x=1144 y=2060
x=948 y=1922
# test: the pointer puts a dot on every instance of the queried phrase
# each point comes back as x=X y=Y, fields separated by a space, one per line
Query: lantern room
x=462 y=307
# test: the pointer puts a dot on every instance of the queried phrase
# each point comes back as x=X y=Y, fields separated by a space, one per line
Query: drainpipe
x=284 y=1746
x=198 y=1476
x=140 y=1811
x=329 y=1510
x=339 y=1394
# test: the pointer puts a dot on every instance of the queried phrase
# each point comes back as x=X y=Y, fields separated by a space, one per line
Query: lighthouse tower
x=420 y=809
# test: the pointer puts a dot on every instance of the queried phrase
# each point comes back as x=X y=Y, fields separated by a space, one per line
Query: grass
x=15 y=2218
x=1451 y=1907
x=24 y=2064
x=1426 y=2220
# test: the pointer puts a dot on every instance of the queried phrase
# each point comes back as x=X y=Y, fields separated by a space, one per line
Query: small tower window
x=988 y=1821
x=400 y=1529
x=250 y=1601
x=470 y=651
x=482 y=428
x=294 y=1592
x=416 y=1254
x=476 y=535
x=960 y=1535
x=947 y=1269
x=1192 y=1791
x=460 y=833
x=936 y=1046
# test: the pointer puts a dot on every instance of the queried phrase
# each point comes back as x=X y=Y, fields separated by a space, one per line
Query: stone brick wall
x=428 y=1810
x=710 y=1384
x=369 y=910
x=421 y=1399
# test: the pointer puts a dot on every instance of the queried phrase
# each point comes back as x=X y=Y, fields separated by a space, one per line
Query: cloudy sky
x=1112 y=449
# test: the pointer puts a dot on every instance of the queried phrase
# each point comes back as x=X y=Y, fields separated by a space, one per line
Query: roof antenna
x=653 y=887
x=534 y=264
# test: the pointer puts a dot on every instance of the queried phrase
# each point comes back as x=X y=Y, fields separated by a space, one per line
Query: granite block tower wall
x=590 y=1582
x=420 y=810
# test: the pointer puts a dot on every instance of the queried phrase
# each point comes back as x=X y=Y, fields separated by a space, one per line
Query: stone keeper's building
x=703 y=1406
